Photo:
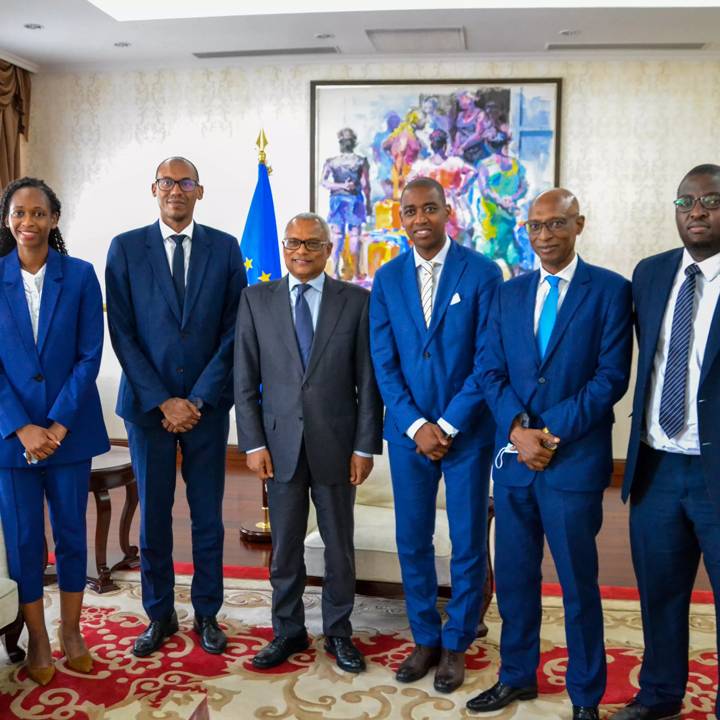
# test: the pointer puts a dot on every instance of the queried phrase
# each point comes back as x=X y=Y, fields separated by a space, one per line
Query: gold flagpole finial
x=261 y=143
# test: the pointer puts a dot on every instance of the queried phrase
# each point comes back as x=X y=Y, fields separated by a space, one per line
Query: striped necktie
x=674 y=389
x=427 y=280
x=548 y=314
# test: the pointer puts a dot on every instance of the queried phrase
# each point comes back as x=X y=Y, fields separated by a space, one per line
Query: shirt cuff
x=360 y=453
x=447 y=428
x=410 y=432
x=262 y=447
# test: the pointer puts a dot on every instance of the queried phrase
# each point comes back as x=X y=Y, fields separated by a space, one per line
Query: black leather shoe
x=347 y=656
x=212 y=638
x=153 y=636
x=499 y=696
x=450 y=673
x=635 y=711
x=581 y=712
x=279 y=649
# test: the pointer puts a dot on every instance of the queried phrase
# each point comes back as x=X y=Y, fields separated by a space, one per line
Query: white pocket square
x=455 y=299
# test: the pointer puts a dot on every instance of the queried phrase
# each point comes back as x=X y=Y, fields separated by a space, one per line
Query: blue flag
x=259 y=242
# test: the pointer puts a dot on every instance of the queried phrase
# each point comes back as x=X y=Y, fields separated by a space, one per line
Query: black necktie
x=178 y=268
x=303 y=323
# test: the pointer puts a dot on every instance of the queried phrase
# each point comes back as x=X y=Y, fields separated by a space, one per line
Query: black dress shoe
x=500 y=695
x=152 y=638
x=347 y=656
x=279 y=649
x=582 y=712
x=212 y=638
x=635 y=711
x=450 y=673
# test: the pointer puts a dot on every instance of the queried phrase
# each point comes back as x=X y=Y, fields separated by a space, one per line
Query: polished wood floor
x=242 y=506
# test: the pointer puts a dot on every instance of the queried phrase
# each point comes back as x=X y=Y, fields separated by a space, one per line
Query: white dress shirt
x=566 y=275
x=707 y=292
x=313 y=295
x=166 y=231
x=438 y=263
x=33 y=295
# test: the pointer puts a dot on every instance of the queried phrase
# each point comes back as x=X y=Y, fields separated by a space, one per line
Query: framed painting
x=492 y=144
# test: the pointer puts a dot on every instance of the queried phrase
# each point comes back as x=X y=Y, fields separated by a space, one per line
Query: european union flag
x=259 y=242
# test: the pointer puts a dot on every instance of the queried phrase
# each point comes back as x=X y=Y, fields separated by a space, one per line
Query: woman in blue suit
x=51 y=424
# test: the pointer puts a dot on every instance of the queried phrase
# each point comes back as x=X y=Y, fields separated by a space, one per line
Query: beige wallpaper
x=630 y=130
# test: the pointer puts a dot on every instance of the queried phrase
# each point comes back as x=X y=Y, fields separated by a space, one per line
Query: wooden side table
x=109 y=471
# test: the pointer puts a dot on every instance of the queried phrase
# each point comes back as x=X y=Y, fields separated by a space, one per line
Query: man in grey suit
x=309 y=416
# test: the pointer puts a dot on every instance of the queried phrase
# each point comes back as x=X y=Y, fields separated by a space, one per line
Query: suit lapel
x=412 y=293
x=528 y=316
x=199 y=255
x=52 y=287
x=15 y=293
x=331 y=307
x=657 y=296
x=161 y=269
x=713 y=344
x=576 y=292
x=282 y=315
x=452 y=271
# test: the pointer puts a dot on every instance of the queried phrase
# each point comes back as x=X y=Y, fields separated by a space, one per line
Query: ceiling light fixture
x=569 y=33
x=122 y=44
x=33 y=26
x=323 y=36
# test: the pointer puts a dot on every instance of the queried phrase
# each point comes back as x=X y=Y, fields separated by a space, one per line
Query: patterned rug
x=181 y=682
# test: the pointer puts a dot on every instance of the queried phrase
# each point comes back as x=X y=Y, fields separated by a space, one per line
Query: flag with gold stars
x=259 y=242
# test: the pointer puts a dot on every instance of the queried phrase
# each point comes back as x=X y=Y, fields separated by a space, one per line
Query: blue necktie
x=672 y=399
x=303 y=323
x=548 y=315
x=178 y=268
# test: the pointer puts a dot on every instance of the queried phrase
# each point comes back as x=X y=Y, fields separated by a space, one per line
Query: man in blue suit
x=428 y=311
x=172 y=294
x=672 y=475
x=558 y=358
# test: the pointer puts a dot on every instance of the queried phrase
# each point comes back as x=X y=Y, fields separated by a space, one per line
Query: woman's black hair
x=7 y=241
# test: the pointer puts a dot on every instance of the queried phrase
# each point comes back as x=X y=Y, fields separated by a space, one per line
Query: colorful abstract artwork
x=492 y=145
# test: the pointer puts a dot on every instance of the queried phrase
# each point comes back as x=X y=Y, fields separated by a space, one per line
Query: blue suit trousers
x=153 y=452
x=570 y=521
x=22 y=495
x=672 y=522
x=466 y=472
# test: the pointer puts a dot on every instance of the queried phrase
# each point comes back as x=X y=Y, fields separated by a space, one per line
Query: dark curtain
x=14 y=117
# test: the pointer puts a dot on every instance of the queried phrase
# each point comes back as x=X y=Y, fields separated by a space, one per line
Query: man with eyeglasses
x=172 y=295
x=672 y=474
x=309 y=416
x=557 y=359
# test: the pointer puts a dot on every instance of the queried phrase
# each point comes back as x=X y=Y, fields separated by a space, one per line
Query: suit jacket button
x=38 y=378
x=180 y=370
x=305 y=386
x=541 y=380
x=426 y=355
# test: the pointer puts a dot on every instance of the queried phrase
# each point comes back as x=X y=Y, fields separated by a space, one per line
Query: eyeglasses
x=554 y=225
x=310 y=245
x=685 y=203
x=186 y=184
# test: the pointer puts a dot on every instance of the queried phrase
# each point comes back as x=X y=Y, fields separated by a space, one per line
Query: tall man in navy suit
x=428 y=312
x=172 y=294
x=558 y=357
x=672 y=475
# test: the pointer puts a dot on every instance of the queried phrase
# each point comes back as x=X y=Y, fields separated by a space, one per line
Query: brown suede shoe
x=417 y=664
x=450 y=674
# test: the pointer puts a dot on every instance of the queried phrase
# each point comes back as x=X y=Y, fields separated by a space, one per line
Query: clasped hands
x=532 y=446
x=179 y=415
x=432 y=442
x=40 y=442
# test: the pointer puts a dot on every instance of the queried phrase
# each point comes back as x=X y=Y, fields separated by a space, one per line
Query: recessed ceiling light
x=33 y=26
x=122 y=44
x=569 y=33
x=324 y=36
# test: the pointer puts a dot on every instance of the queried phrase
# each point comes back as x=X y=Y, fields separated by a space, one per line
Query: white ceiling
x=77 y=35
